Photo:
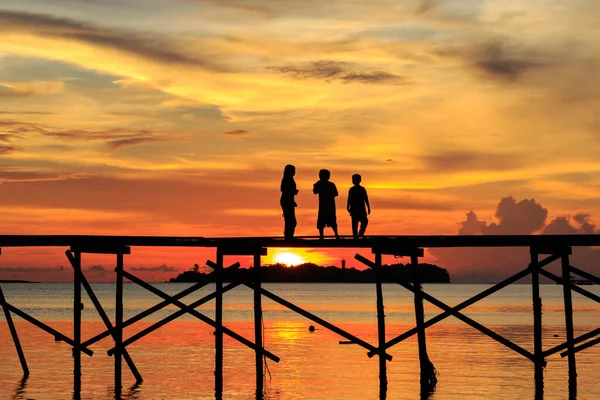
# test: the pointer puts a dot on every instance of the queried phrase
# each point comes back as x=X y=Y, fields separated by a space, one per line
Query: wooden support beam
x=575 y=288
x=118 y=336
x=77 y=306
x=469 y=321
x=258 y=325
x=380 y=327
x=107 y=323
x=428 y=372
x=391 y=248
x=218 y=271
x=537 y=324
x=566 y=277
x=316 y=319
x=15 y=336
x=584 y=346
x=585 y=275
x=578 y=339
x=464 y=304
x=243 y=249
x=101 y=248
x=56 y=334
x=184 y=309
x=551 y=249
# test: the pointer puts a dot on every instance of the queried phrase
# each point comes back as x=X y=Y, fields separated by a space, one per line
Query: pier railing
x=544 y=250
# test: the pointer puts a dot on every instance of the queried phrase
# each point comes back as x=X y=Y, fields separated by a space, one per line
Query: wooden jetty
x=544 y=250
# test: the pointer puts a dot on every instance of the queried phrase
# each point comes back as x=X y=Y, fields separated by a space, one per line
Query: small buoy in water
x=555 y=335
x=311 y=328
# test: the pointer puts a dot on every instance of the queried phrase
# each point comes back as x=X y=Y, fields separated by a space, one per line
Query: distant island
x=13 y=281
x=312 y=273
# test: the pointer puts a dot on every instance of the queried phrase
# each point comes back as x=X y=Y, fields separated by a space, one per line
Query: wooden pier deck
x=544 y=250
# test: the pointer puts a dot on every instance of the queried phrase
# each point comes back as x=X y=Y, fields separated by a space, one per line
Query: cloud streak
x=143 y=44
x=339 y=71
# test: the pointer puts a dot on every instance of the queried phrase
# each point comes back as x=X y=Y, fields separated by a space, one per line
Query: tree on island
x=312 y=273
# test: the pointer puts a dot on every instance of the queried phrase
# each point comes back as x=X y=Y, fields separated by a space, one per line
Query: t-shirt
x=357 y=196
x=327 y=193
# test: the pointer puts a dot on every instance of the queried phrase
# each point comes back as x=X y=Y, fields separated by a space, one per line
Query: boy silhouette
x=327 y=193
x=357 y=199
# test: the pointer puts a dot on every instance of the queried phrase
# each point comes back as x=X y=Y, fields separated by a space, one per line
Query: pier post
x=428 y=373
x=566 y=278
x=15 y=336
x=258 y=338
x=380 y=328
x=77 y=327
x=119 y=327
x=537 y=325
x=219 y=325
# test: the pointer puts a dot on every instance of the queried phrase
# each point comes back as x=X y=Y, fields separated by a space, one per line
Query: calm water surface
x=177 y=361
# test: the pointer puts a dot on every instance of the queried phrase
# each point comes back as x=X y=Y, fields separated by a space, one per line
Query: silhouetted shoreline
x=312 y=273
x=15 y=281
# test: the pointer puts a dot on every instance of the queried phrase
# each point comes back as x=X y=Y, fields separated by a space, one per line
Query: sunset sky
x=156 y=117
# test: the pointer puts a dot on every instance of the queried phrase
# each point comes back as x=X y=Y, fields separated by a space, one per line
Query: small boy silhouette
x=327 y=193
x=357 y=198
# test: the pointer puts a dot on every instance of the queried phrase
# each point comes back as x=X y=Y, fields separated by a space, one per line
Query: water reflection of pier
x=544 y=250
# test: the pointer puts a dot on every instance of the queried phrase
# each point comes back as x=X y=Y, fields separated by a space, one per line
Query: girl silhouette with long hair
x=288 y=204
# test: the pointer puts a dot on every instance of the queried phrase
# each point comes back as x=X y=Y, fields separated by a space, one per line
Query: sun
x=288 y=258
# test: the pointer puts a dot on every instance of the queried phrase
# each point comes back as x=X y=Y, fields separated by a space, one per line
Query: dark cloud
x=498 y=59
x=146 y=45
x=501 y=59
x=114 y=145
x=25 y=113
x=338 y=71
x=238 y=132
x=115 y=139
x=8 y=148
x=524 y=217
x=162 y=268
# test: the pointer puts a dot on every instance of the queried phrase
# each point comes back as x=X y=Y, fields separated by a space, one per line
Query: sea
x=177 y=360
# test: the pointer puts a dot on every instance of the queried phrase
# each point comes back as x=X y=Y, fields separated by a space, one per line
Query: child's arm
x=348 y=202
x=335 y=192
x=367 y=202
x=316 y=188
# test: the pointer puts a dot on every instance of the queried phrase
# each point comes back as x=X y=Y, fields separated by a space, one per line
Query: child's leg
x=363 y=227
x=355 y=227
x=335 y=231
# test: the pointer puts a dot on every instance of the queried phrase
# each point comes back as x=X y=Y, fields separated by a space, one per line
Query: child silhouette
x=357 y=199
x=287 y=202
x=327 y=193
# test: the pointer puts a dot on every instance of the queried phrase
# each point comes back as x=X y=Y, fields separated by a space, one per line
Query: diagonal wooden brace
x=103 y=316
x=316 y=319
x=469 y=321
x=189 y=309
x=149 y=311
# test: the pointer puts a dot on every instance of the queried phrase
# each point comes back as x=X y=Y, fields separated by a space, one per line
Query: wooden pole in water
x=537 y=324
x=428 y=374
x=15 y=336
x=219 y=325
x=77 y=327
x=258 y=338
x=119 y=326
x=380 y=329
x=566 y=278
